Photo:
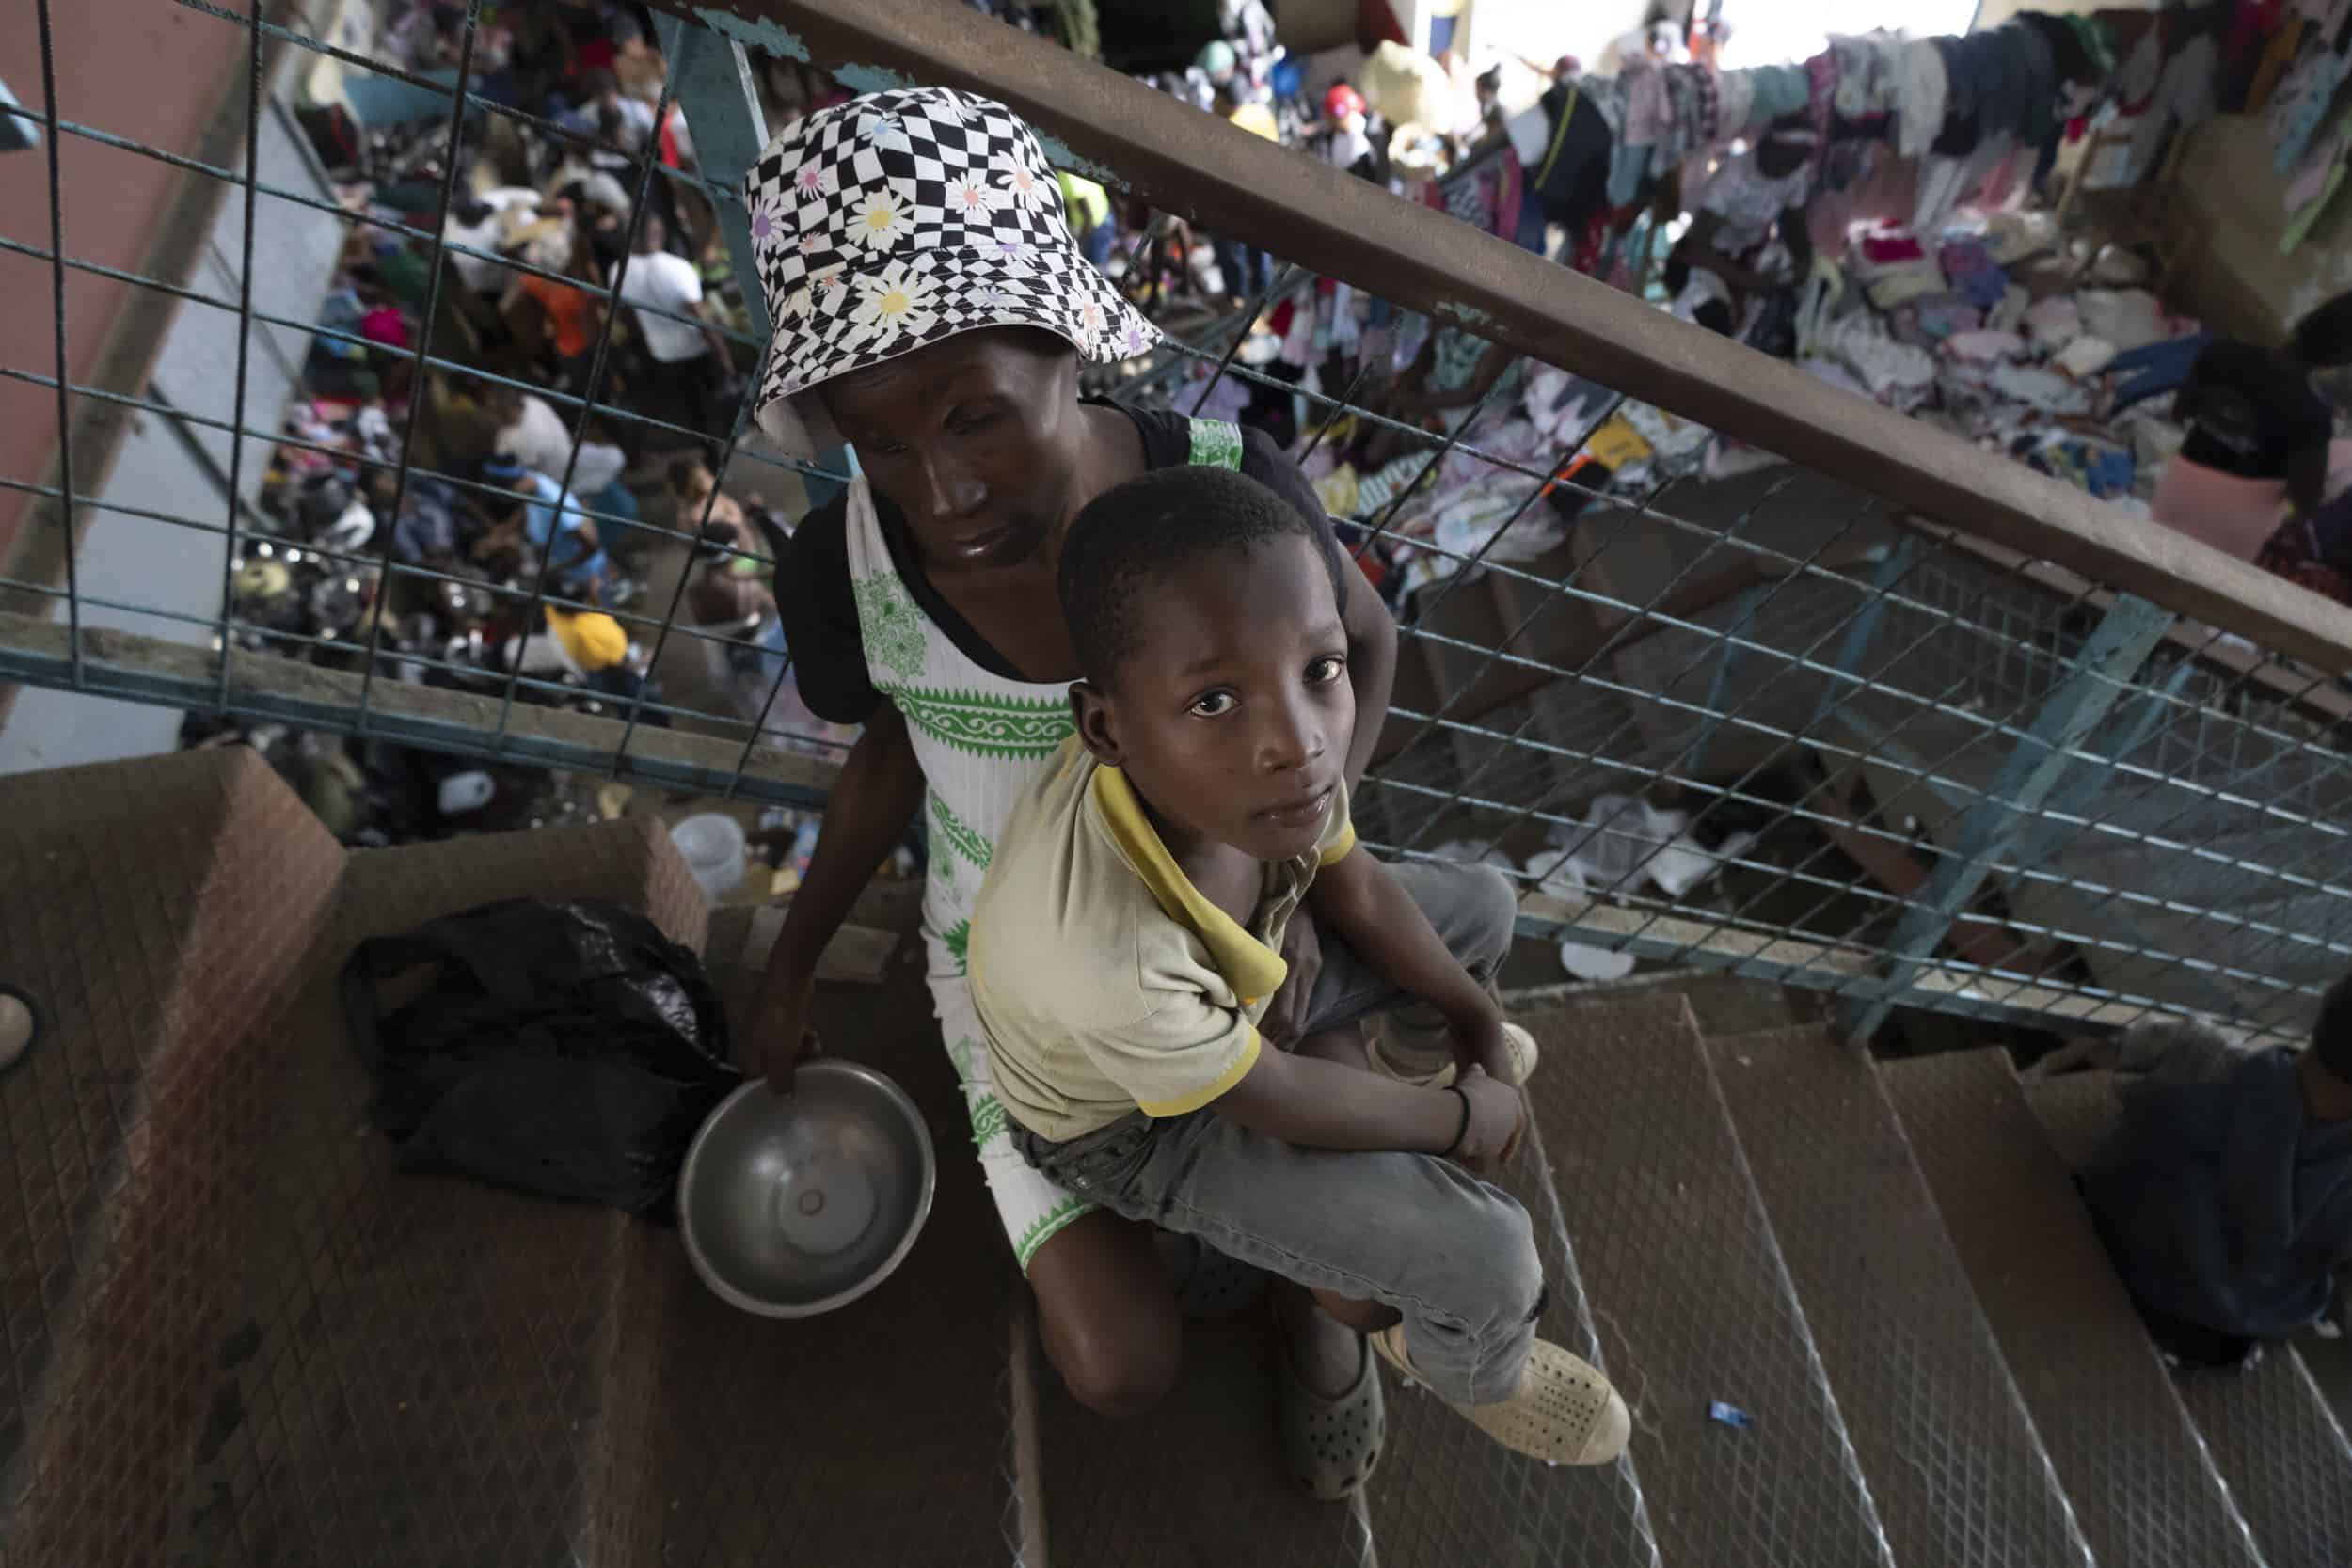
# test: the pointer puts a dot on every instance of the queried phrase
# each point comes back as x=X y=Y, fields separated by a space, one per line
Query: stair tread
x=1957 y=1470
x=2142 y=1488
x=1447 y=1494
x=159 y=909
x=2271 y=1433
x=1687 y=1285
x=1199 y=1480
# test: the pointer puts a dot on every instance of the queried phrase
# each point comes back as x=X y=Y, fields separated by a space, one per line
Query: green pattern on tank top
x=1216 y=444
x=985 y=724
x=890 y=624
x=957 y=836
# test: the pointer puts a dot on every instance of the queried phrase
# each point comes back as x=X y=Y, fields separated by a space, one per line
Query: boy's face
x=1233 y=713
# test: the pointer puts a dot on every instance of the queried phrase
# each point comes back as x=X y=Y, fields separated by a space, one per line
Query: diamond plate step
x=2270 y=1431
x=2143 y=1487
x=1446 y=1494
x=1957 y=1470
x=1693 y=1300
x=1198 y=1481
x=421 y=1360
x=162 y=911
x=871 y=1436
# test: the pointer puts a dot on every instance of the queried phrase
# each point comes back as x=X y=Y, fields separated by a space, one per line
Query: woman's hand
x=1285 y=1020
x=781 y=1036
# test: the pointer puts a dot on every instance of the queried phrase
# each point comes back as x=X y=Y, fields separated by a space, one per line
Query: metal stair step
x=1955 y=1465
x=162 y=911
x=1200 y=1479
x=1693 y=1302
x=2270 y=1431
x=2143 y=1488
x=1446 y=1494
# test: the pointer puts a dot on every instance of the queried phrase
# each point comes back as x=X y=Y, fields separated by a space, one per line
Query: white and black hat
x=902 y=218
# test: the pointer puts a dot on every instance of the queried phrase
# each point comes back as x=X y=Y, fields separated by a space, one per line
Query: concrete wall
x=2234 y=275
x=172 y=466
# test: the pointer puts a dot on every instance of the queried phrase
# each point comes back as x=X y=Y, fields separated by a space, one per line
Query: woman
x=2261 y=437
x=932 y=313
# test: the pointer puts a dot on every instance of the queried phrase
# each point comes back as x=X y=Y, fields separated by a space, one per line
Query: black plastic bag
x=569 y=1050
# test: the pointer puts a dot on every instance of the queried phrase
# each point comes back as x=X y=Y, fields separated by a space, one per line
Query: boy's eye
x=1212 y=705
x=1322 y=671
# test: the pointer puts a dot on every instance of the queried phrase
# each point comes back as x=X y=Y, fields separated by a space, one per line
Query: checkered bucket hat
x=902 y=218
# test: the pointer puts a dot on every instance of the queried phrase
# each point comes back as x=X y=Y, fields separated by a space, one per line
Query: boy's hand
x=1478 y=1042
x=1496 y=1117
x=780 y=1036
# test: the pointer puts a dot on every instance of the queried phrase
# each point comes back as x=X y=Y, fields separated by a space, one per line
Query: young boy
x=1126 y=944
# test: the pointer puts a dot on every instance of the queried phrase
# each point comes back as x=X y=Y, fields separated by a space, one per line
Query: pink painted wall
x=147 y=70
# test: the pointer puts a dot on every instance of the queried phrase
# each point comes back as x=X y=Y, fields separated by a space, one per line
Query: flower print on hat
x=1022 y=185
x=901 y=217
x=971 y=195
x=895 y=302
x=884 y=219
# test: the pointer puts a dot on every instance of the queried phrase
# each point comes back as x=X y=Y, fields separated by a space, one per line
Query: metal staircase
x=236 y=1337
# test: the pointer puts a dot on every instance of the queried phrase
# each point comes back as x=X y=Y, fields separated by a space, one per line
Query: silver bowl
x=794 y=1205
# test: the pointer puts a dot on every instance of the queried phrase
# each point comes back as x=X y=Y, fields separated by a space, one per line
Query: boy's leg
x=1471 y=908
x=1455 y=1255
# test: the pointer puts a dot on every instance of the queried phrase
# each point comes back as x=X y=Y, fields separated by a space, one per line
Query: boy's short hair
x=2331 y=1035
x=1134 y=534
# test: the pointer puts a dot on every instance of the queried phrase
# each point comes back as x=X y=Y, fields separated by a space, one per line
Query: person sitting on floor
x=1125 y=944
x=2224 y=1193
x=2262 y=474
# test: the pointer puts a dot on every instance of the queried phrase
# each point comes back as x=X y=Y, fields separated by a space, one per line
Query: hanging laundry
x=1776 y=91
x=2184 y=100
x=2299 y=106
x=2312 y=186
x=1919 y=98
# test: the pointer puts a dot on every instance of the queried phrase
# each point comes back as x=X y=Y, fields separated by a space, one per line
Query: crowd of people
x=488 y=466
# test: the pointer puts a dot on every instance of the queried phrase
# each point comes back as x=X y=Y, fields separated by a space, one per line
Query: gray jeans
x=1455 y=1255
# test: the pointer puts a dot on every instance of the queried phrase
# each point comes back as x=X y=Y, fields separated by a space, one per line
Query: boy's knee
x=1117 y=1372
x=1509 y=1264
x=1490 y=912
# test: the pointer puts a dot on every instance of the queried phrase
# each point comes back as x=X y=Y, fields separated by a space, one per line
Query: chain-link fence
x=1898 y=722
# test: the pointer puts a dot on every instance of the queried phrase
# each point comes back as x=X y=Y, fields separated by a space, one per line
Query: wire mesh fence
x=1705 y=706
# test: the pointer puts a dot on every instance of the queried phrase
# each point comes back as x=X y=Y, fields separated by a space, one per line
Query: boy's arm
x=1355 y=898
x=1319 y=1105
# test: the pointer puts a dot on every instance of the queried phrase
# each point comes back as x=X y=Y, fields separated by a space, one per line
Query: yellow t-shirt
x=1105 y=981
x=1088 y=204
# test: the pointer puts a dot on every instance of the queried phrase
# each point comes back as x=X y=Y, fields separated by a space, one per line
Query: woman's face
x=976 y=439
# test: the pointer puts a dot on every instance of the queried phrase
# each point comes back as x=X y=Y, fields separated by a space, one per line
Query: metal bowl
x=793 y=1206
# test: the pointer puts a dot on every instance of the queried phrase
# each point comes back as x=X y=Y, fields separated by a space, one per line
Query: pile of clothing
x=1982 y=328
